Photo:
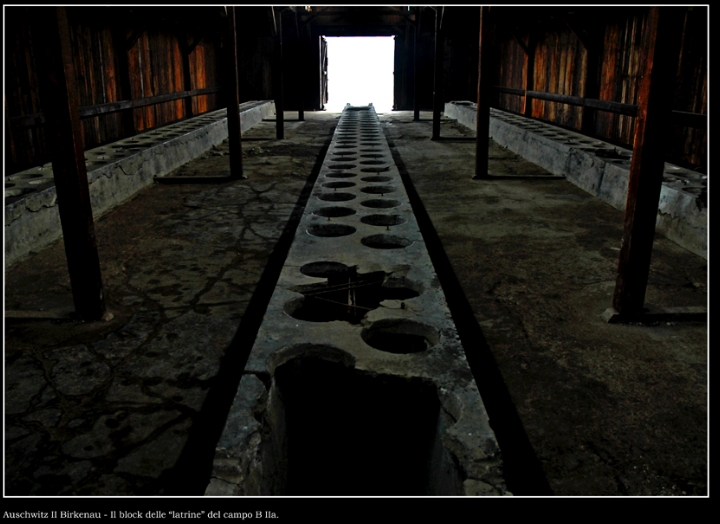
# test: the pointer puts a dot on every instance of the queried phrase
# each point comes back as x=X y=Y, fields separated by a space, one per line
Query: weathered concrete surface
x=601 y=169
x=115 y=173
x=108 y=408
x=252 y=458
x=608 y=409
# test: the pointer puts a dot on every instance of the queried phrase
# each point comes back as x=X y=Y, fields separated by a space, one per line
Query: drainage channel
x=357 y=383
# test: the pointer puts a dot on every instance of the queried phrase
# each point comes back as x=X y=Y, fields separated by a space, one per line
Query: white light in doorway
x=360 y=71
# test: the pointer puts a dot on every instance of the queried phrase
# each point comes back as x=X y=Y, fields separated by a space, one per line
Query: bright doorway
x=360 y=71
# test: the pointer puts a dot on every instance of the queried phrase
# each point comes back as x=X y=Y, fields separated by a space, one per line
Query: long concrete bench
x=116 y=172
x=357 y=383
x=601 y=169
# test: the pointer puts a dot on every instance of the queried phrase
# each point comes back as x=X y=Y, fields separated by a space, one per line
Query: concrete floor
x=134 y=406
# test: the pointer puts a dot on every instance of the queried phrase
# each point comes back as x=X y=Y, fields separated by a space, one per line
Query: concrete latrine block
x=357 y=383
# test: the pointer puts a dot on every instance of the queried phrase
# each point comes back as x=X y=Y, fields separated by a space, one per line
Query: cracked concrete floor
x=607 y=409
x=112 y=408
x=107 y=408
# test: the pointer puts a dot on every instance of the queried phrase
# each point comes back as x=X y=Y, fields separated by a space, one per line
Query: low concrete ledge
x=116 y=172
x=601 y=169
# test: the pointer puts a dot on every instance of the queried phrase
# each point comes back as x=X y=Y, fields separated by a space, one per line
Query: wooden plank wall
x=22 y=146
x=156 y=68
x=561 y=67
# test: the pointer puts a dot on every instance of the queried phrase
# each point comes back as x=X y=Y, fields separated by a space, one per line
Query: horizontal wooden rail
x=680 y=118
x=38 y=119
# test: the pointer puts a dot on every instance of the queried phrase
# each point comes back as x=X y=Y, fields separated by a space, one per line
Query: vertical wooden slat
x=530 y=73
x=233 y=99
x=124 y=84
x=437 y=78
x=59 y=99
x=279 y=93
x=416 y=99
x=591 y=84
x=661 y=47
x=484 y=92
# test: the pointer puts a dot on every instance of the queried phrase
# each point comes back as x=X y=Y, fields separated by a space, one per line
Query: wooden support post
x=661 y=50
x=301 y=88
x=416 y=100
x=437 y=92
x=233 y=99
x=124 y=84
x=279 y=106
x=485 y=86
x=60 y=104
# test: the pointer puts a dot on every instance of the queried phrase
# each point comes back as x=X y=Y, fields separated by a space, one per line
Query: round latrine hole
x=331 y=230
x=341 y=175
x=375 y=169
x=377 y=179
x=400 y=336
x=373 y=156
x=341 y=146
x=341 y=153
x=381 y=203
x=373 y=162
x=378 y=190
x=334 y=212
x=345 y=159
x=383 y=220
x=337 y=185
x=324 y=269
x=386 y=242
x=341 y=166
x=337 y=197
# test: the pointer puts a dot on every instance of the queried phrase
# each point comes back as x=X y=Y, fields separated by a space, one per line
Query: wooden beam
x=233 y=99
x=485 y=66
x=579 y=32
x=661 y=46
x=38 y=119
x=522 y=45
x=59 y=99
x=137 y=33
x=195 y=43
x=605 y=105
